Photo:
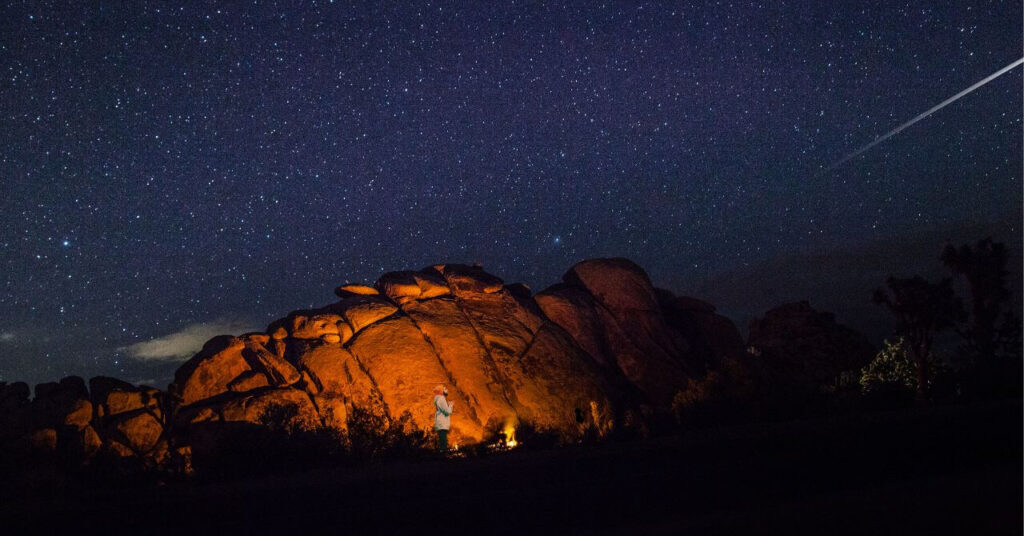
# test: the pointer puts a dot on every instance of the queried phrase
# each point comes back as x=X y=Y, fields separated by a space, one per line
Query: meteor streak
x=932 y=110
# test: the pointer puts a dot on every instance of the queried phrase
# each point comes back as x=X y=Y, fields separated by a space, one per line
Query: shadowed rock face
x=611 y=310
x=575 y=355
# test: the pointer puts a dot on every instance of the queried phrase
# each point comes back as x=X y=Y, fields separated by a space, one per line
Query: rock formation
x=576 y=355
x=802 y=346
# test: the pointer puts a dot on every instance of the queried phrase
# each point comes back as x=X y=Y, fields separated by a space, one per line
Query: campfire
x=509 y=437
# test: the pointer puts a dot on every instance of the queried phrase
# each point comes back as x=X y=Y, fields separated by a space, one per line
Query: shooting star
x=930 y=111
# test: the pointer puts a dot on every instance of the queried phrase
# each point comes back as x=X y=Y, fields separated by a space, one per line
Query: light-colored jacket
x=442 y=413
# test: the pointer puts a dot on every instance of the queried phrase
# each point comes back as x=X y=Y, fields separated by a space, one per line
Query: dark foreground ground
x=951 y=470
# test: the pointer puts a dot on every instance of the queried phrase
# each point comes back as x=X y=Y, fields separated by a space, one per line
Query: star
x=243 y=163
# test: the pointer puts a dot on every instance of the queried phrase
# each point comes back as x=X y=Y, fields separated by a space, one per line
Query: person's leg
x=442 y=436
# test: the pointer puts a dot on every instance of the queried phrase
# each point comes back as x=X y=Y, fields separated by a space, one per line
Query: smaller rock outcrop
x=802 y=345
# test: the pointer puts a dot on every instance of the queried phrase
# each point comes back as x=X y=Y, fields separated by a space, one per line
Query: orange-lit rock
x=361 y=311
x=597 y=331
x=112 y=396
x=256 y=338
x=404 y=368
x=248 y=381
x=462 y=279
x=459 y=348
x=268 y=405
x=197 y=414
x=279 y=371
x=333 y=410
x=432 y=284
x=314 y=325
x=80 y=414
x=139 y=430
x=404 y=287
x=399 y=287
x=90 y=442
x=336 y=372
x=625 y=291
x=210 y=372
x=346 y=291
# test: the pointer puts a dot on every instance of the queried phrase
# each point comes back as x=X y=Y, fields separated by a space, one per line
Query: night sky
x=177 y=172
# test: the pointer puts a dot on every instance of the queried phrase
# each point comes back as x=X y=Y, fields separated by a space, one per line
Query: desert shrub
x=372 y=435
x=892 y=368
x=277 y=443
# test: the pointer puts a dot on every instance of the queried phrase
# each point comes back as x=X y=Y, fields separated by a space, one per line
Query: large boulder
x=129 y=420
x=625 y=291
x=210 y=372
x=112 y=397
x=313 y=325
x=232 y=364
x=404 y=367
x=277 y=370
x=249 y=380
x=79 y=415
x=804 y=346
x=279 y=407
x=461 y=352
x=346 y=291
x=610 y=309
x=463 y=279
x=362 y=310
x=139 y=430
x=334 y=372
x=575 y=310
x=408 y=286
x=399 y=287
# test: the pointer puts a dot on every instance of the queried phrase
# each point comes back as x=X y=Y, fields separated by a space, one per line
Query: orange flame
x=510 y=437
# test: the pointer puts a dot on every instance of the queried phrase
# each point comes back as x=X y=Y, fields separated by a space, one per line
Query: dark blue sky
x=168 y=168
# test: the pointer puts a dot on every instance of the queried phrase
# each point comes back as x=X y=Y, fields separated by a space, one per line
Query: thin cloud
x=7 y=336
x=183 y=344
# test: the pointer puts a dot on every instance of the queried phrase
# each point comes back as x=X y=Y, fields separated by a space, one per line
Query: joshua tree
x=984 y=269
x=922 y=309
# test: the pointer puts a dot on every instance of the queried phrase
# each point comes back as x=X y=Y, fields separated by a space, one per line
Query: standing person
x=442 y=416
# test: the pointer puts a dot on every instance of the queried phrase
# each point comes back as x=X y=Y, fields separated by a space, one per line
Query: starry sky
x=168 y=172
